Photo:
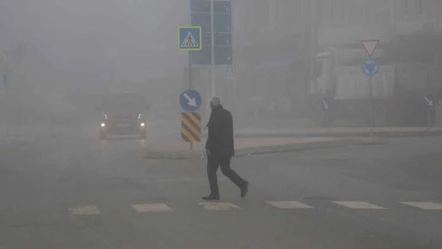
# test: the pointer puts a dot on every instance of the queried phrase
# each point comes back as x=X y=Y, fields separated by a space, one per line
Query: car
x=123 y=114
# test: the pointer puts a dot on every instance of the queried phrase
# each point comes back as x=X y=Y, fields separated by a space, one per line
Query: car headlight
x=103 y=125
x=142 y=124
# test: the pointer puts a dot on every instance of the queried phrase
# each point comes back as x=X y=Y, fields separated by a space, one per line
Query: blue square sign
x=222 y=31
x=190 y=38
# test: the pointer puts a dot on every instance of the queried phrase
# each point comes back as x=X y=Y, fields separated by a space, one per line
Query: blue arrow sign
x=190 y=100
x=430 y=101
x=370 y=67
x=190 y=38
x=325 y=104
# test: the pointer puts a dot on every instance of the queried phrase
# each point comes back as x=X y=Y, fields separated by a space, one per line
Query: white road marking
x=84 y=210
x=219 y=206
x=358 y=205
x=154 y=207
x=289 y=205
x=424 y=205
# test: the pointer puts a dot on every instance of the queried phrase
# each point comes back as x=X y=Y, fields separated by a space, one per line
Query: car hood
x=111 y=113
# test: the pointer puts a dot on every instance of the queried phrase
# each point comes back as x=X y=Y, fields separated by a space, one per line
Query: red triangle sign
x=370 y=46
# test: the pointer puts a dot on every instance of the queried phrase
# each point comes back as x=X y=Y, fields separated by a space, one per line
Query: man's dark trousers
x=215 y=161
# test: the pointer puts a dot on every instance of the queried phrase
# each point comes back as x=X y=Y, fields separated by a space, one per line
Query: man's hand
x=208 y=153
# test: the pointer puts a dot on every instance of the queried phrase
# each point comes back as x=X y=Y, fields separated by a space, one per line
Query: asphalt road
x=77 y=192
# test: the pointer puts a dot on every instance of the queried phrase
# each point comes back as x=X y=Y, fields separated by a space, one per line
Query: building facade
x=276 y=41
x=349 y=21
x=269 y=43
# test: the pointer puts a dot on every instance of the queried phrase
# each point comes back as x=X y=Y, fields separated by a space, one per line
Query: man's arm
x=214 y=127
x=233 y=134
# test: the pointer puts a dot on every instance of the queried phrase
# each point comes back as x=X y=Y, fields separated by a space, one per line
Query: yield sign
x=370 y=46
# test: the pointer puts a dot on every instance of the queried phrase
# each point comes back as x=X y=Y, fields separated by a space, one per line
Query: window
x=306 y=10
x=413 y=7
x=405 y=7
x=333 y=4
x=262 y=17
x=289 y=15
x=420 y=6
x=356 y=12
x=272 y=13
x=323 y=12
x=338 y=11
x=342 y=5
x=366 y=12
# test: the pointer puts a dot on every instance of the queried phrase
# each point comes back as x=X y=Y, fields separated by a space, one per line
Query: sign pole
x=212 y=52
x=428 y=118
x=190 y=84
x=6 y=84
x=5 y=78
x=326 y=107
x=370 y=47
x=190 y=71
x=430 y=105
x=326 y=121
x=189 y=39
x=371 y=107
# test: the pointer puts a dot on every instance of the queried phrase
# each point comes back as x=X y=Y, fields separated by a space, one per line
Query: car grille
x=124 y=119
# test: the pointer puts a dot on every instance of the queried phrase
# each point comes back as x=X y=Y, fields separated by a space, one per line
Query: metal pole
x=326 y=121
x=212 y=52
x=190 y=70
x=6 y=83
x=428 y=118
x=190 y=82
x=371 y=107
x=5 y=78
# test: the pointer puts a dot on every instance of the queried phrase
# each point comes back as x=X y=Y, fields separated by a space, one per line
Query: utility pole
x=212 y=52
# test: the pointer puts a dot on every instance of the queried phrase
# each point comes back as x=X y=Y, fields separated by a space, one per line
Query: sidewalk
x=253 y=146
x=288 y=131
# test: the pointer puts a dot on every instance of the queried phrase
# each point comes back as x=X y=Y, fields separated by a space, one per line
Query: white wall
x=349 y=21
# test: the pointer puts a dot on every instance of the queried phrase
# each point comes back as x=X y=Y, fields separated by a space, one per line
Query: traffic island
x=255 y=146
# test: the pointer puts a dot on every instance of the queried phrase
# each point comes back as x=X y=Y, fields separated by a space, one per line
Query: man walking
x=220 y=150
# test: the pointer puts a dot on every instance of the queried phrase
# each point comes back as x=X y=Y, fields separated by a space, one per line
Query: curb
x=199 y=155
x=379 y=134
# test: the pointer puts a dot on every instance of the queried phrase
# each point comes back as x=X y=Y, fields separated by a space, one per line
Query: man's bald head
x=215 y=102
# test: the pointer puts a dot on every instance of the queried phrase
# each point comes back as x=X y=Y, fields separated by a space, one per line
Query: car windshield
x=123 y=101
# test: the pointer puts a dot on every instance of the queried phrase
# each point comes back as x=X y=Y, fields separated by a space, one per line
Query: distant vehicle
x=123 y=114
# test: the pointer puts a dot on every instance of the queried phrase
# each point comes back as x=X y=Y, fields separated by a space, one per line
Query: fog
x=328 y=110
x=79 y=46
x=61 y=52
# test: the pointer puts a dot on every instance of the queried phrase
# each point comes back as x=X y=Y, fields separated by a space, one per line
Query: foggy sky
x=72 y=36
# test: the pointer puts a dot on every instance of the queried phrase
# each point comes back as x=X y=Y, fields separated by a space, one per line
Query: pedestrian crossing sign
x=190 y=38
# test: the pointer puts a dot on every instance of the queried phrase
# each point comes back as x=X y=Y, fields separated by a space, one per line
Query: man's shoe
x=211 y=198
x=244 y=190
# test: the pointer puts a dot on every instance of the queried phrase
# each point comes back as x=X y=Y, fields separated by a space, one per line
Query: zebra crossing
x=88 y=210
